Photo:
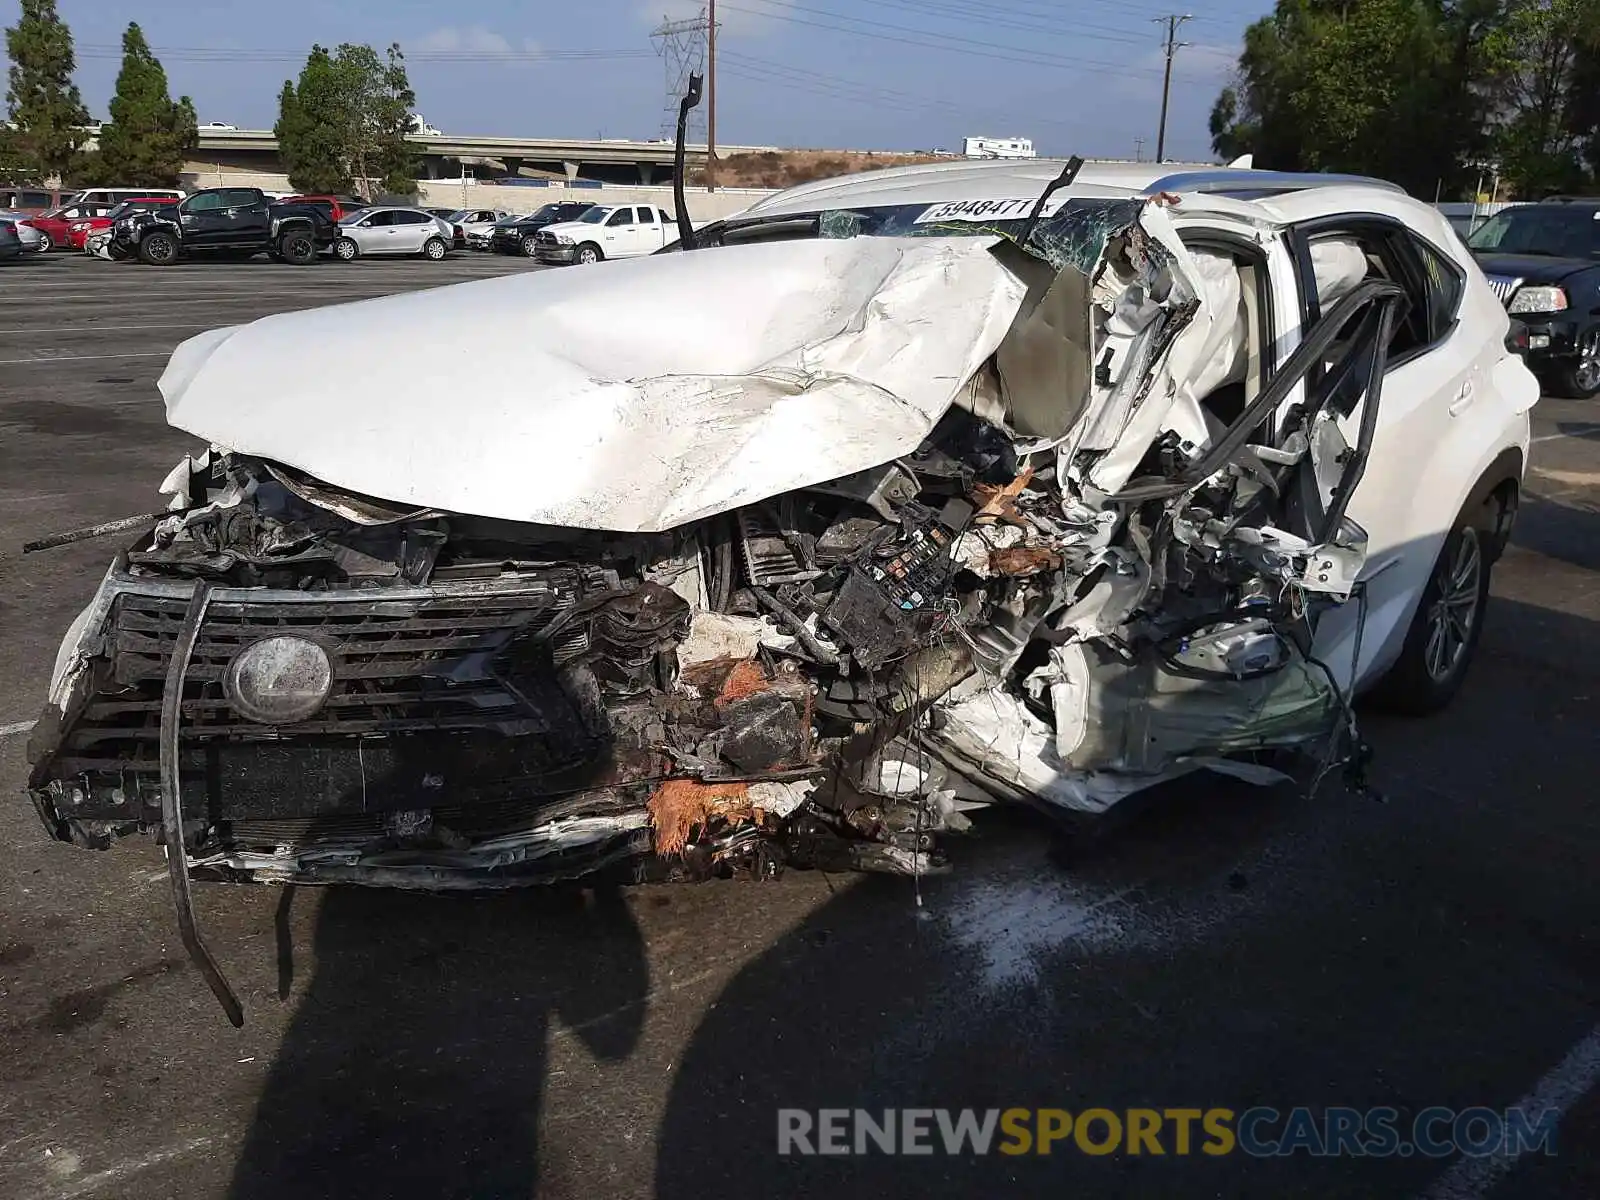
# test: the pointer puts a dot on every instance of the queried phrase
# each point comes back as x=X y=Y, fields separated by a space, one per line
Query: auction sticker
x=988 y=210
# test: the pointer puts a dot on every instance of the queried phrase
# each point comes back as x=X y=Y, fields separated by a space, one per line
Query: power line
x=963 y=45
x=835 y=87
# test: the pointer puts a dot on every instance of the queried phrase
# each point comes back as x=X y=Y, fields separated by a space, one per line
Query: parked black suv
x=515 y=236
x=1543 y=261
x=224 y=223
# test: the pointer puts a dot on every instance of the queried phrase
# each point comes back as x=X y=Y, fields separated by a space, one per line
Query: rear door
x=248 y=222
x=651 y=230
x=412 y=230
x=1422 y=444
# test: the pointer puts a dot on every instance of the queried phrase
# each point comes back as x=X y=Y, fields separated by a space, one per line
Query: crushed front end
x=972 y=526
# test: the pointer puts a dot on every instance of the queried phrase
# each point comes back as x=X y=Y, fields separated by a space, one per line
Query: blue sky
x=1078 y=76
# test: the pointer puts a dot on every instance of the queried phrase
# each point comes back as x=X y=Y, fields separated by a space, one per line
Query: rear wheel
x=298 y=247
x=1581 y=381
x=434 y=249
x=1444 y=633
x=589 y=253
x=346 y=250
x=158 y=249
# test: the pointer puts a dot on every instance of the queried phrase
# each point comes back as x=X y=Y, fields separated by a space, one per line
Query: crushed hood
x=632 y=396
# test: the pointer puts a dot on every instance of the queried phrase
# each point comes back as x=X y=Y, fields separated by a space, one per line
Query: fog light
x=1538 y=341
x=278 y=680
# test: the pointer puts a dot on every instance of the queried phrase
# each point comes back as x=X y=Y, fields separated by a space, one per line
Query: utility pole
x=711 y=95
x=1138 y=150
x=1173 y=20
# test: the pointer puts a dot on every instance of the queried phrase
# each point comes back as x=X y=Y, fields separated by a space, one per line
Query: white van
x=114 y=196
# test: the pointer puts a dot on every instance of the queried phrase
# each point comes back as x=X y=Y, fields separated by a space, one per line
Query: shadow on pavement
x=416 y=1062
x=1230 y=947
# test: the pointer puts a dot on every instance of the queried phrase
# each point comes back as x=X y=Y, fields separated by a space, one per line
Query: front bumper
x=460 y=748
x=1555 y=342
x=557 y=253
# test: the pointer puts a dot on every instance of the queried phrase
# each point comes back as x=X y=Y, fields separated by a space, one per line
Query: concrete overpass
x=611 y=160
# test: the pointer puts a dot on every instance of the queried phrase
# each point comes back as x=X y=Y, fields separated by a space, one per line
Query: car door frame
x=1412 y=499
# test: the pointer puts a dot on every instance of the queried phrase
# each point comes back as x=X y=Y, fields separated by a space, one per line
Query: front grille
x=1504 y=286
x=545 y=239
x=399 y=666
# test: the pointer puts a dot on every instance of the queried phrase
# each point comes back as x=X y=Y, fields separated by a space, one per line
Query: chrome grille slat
x=390 y=658
x=1504 y=286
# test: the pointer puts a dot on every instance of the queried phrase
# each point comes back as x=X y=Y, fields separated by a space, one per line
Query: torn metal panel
x=795 y=364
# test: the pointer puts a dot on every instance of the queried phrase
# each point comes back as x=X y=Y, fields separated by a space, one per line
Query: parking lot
x=1223 y=946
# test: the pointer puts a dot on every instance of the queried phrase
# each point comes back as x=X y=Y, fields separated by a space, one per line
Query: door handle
x=1464 y=397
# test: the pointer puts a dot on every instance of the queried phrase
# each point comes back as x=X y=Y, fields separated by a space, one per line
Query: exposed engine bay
x=1101 y=566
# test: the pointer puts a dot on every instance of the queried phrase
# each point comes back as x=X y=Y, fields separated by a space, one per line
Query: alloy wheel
x=1458 y=584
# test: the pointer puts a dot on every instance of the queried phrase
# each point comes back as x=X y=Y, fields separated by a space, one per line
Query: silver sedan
x=390 y=230
x=32 y=240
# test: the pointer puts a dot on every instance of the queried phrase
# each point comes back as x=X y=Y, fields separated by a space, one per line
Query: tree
x=346 y=125
x=42 y=102
x=150 y=136
x=1542 y=86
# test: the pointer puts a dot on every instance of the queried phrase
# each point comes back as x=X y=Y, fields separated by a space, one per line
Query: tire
x=46 y=242
x=1445 y=629
x=158 y=249
x=434 y=250
x=1581 y=381
x=530 y=248
x=298 y=247
x=346 y=250
x=588 y=253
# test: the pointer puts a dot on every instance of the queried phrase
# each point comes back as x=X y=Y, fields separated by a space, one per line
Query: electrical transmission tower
x=682 y=47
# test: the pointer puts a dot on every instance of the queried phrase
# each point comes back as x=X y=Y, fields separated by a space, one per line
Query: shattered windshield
x=1071 y=233
x=1559 y=231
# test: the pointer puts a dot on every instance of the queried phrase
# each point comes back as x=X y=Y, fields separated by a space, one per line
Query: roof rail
x=1570 y=200
x=1260 y=183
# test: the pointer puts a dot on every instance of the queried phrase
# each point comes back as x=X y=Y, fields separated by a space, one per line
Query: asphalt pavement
x=1222 y=947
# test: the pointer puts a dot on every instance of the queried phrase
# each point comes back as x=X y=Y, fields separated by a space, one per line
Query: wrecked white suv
x=894 y=494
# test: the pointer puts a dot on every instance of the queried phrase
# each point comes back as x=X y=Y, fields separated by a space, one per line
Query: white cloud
x=472 y=39
x=730 y=22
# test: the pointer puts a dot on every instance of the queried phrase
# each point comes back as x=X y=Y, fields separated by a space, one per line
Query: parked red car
x=336 y=206
x=79 y=229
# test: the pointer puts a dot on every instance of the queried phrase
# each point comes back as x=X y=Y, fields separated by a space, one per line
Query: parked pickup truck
x=224 y=223
x=605 y=231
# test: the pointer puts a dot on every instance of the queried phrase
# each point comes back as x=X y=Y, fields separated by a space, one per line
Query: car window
x=379 y=220
x=1379 y=250
x=595 y=216
x=33 y=199
x=238 y=198
x=204 y=202
x=623 y=216
x=405 y=217
x=647 y=216
x=1445 y=286
x=1556 y=230
x=666 y=217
